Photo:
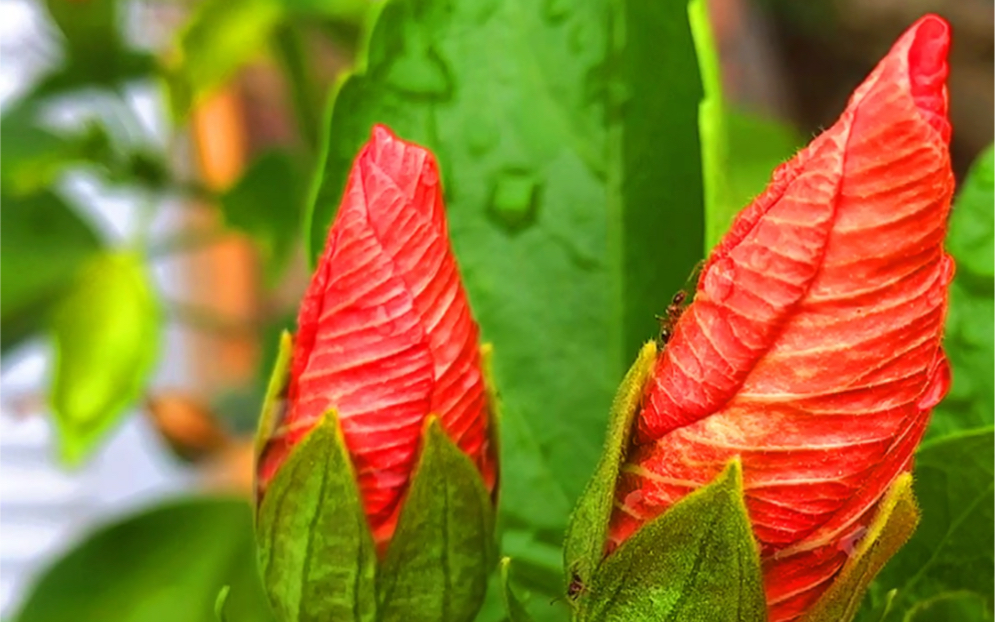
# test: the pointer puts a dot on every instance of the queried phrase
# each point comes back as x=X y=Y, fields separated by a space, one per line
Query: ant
x=576 y=588
x=674 y=312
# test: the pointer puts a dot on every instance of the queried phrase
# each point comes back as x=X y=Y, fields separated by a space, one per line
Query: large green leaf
x=105 y=332
x=42 y=244
x=574 y=220
x=970 y=329
x=655 y=197
x=164 y=565
x=266 y=203
x=952 y=550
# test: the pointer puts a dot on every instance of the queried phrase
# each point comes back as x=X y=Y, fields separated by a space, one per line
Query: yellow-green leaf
x=106 y=333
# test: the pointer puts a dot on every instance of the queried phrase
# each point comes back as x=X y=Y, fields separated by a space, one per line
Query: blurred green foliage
x=164 y=565
x=949 y=557
x=970 y=335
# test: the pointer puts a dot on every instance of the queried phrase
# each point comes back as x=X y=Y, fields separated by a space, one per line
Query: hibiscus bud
x=377 y=432
x=811 y=351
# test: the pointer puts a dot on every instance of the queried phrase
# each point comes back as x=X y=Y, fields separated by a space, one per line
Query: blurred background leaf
x=739 y=150
x=949 y=607
x=94 y=51
x=44 y=242
x=34 y=156
x=164 y=565
x=970 y=338
x=220 y=37
x=952 y=550
x=106 y=334
x=266 y=203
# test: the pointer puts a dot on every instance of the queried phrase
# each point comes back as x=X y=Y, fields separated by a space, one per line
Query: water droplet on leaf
x=481 y=134
x=482 y=10
x=556 y=10
x=514 y=199
x=578 y=38
x=421 y=72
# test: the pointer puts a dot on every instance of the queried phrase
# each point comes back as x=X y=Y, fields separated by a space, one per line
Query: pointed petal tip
x=927 y=63
x=382 y=134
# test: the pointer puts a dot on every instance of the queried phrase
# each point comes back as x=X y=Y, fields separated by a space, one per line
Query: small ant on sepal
x=576 y=587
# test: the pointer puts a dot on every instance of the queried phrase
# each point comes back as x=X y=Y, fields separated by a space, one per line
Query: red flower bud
x=385 y=335
x=811 y=349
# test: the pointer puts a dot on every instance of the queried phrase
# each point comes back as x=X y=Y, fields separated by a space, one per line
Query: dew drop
x=578 y=38
x=481 y=134
x=848 y=543
x=761 y=259
x=422 y=72
x=382 y=322
x=514 y=199
x=482 y=10
x=555 y=10
x=947 y=269
x=936 y=388
x=718 y=282
x=633 y=499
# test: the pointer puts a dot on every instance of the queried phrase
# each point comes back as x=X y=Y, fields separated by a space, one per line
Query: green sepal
x=588 y=528
x=516 y=611
x=274 y=403
x=441 y=555
x=897 y=517
x=316 y=552
x=696 y=562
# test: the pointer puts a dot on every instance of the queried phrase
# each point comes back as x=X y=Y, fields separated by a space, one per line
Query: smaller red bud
x=385 y=335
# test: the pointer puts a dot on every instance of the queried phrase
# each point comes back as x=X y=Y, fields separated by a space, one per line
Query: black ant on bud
x=576 y=587
x=668 y=321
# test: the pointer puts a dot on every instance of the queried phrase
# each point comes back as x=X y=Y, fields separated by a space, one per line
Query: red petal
x=812 y=347
x=385 y=332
